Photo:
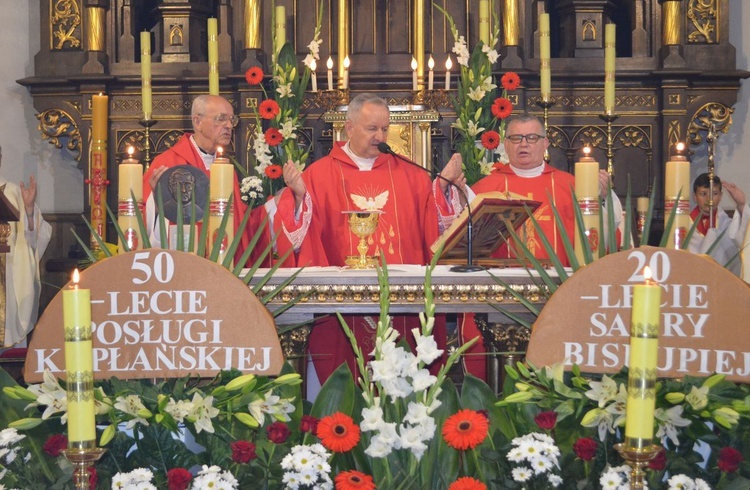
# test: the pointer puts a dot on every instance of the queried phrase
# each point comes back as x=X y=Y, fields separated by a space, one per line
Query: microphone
x=384 y=147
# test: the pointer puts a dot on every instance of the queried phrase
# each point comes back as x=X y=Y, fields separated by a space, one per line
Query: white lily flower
x=668 y=421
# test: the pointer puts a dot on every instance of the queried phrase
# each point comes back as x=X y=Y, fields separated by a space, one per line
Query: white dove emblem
x=369 y=203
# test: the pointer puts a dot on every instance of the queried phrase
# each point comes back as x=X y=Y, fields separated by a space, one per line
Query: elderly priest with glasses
x=527 y=174
x=213 y=121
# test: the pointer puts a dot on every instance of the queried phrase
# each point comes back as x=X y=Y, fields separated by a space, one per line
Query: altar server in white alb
x=28 y=240
x=732 y=233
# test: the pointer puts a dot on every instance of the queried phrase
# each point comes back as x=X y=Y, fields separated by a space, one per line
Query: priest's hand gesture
x=453 y=172
x=736 y=194
x=293 y=180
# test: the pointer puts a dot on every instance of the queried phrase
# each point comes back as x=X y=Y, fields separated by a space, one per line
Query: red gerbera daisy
x=467 y=483
x=338 y=432
x=510 y=81
x=268 y=109
x=254 y=75
x=490 y=140
x=465 y=429
x=273 y=136
x=354 y=480
x=273 y=171
x=502 y=108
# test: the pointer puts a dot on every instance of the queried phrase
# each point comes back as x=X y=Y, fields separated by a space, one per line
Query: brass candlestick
x=545 y=104
x=331 y=99
x=363 y=224
x=609 y=118
x=434 y=99
x=147 y=123
x=82 y=460
x=637 y=459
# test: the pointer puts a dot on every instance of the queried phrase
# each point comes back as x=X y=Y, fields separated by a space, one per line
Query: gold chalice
x=363 y=224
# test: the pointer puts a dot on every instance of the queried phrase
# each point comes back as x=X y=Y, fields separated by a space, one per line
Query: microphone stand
x=470 y=266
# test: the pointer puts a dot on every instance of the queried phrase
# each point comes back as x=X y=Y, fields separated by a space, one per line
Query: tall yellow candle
x=677 y=180
x=545 y=76
x=642 y=374
x=221 y=188
x=587 y=193
x=609 y=68
x=99 y=117
x=279 y=29
x=213 y=56
x=79 y=366
x=146 y=74
x=130 y=179
x=484 y=21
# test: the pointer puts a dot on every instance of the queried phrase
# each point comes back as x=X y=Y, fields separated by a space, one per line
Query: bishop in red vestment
x=355 y=176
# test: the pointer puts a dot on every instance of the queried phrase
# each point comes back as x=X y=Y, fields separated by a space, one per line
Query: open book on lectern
x=492 y=213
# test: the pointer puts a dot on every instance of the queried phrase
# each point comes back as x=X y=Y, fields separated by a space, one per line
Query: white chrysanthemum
x=9 y=437
x=515 y=455
x=681 y=482
x=611 y=479
x=522 y=474
x=541 y=464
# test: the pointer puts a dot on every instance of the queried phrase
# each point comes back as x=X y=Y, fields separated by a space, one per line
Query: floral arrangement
x=480 y=110
x=281 y=114
x=702 y=424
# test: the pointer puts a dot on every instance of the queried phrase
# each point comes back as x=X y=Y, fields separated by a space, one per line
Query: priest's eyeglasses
x=220 y=119
x=530 y=138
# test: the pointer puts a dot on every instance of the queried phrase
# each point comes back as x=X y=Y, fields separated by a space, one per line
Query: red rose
x=273 y=171
x=268 y=109
x=546 y=420
x=54 y=444
x=510 y=81
x=273 y=136
x=659 y=462
x=502 y=108
x=179 y=479
x=585 y=448
x=308 y=424
x=254 y=75
x=243 y=451
x=729 y=459
x=278 y=432
x=93 y=477
x=490 y=140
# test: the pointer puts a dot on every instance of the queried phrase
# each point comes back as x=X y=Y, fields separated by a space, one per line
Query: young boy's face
x=701 y=198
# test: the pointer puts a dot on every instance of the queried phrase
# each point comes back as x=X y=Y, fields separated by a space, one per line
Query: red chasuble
x=406 y=229
x=552 y=186
x=184 y=153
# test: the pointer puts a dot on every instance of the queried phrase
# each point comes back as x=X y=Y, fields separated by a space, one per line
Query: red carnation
x=490 y=139
x=510 y=81
x=308 y=423
x=659 y=462
x=585 y=448
x=268 y=109
x=54 y=444
x=729 y=459
x=273 y=136
x=546 y=420
x=243 y=451
x=179 y=479
x=278 y=432
x=502 y=108
x=273 y=171
x=254 y=75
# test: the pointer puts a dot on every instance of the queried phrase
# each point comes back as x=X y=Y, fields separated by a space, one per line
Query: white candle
x=314 y=76
x=448 y=66
x=431 y=75
x=346 y=72
x=329 y=65
x=414 y=67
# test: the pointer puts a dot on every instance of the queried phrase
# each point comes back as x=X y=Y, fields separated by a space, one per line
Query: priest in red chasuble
x=528 y=175
x=213 y=121
x=356 y=176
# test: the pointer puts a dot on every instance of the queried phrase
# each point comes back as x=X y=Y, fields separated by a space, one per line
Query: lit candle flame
x=131 y=150
x=313 y=65
x=76 y=278
x=586 y=151
x=647 y=276
x=431 y=63
x=346 y=62
x=680 y=147
x=414 y=64
x=329 y=63
x=219 y=151
x=448 y=64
